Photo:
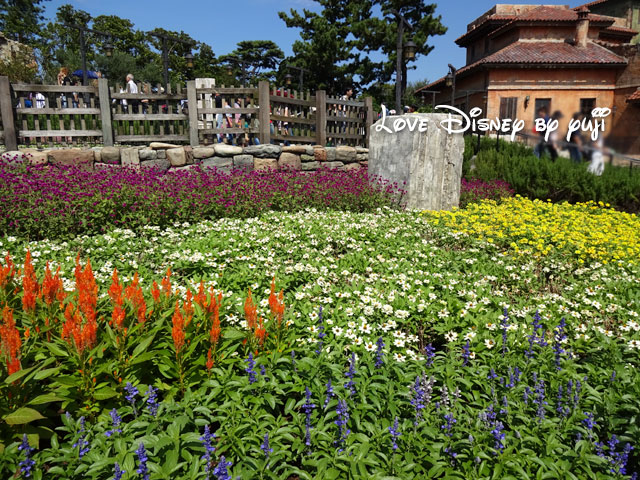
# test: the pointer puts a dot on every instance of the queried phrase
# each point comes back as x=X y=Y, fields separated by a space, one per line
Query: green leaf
x=104 y=393
x=233 y=334
x=17 y=375
x=46 y=398
x=23 y=415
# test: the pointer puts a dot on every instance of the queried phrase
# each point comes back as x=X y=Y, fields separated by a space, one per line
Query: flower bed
x=389 y=353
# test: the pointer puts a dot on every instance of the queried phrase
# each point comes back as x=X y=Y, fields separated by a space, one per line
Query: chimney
x=582 y=27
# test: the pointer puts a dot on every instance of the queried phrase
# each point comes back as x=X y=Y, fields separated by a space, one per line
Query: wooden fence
x=199 y=115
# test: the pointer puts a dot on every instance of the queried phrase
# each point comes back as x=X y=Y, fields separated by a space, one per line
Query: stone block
x=176 y=157
x=308 y=150
x=203 y=152
x=162 y=145
x=289 y=161
x=223 y=150
x=244 y=162
x=147 y=154
x=162 y=154
x=13 y=156
x=260 y=164
x=106 y=166
x=71 y=156
x=185 y=168
x=362 y=150
x=264 y=151
x=36 y=157
x=320 y=154
x=332 y=165
x=110 y=155
x=299 y=149
x=220 y=163
x=307 y=166
x=97 y=155
x=188 y=155
x=346 y=154
x=159 y=164
x=362 y=157
x=350 y=166
x=307 y=158
x=129 y=157
x=331 y=154
x=430 y=162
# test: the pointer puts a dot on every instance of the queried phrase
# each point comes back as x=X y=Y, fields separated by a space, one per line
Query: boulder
x=176 y=157
x=307 y=166
x=346 y=154
x=350 y=166
x=332 y=165
x=320 y=154
x=362 y=150
x=129 y=157
x=147 y=154
x=307 y=158
x=203 y=152
x=264 y=151
x=162 y=154
x=221 y=163
x=299 y=149
x=97 y=155
x=185 y=168
x=331 y=154
x=362 y=157
x=110 y=155
x=159 y=163
x=188 y=154
x=162 y=145
x=71 y=156
x=223 y=150
x=37 y=157
x=265 y=164
x=106 y=166
x=244 y=162
x=428 y=159
x=289 y=161
x=308 y=150
x=13 y=156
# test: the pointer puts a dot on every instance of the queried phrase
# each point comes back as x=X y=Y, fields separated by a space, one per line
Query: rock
x=244 y=162
x=307 y=158
x=159 y=163
x=350 y=166
x=331 y=154
x=71 y=156
x=203 y=152
x=221 y=163
x=299 y=149
x=362 y=157
x=362 y=150
x=110 y=155
x=13 y=156
x=97 y=155
x=332 y=165
x=161 y=145
x=320 y=154
x=162 y=154
x=289 y=161
x=224 y=150
x=185 y=168
x=147 y=154
x=129 y=157
x=265 y=164
x=264 y=151
x=106 y=166
x=36 y=157
x=308 y=150
x=188 y=155
x=346 y=154
x=176 y=157
x=310 y=166
x=364 y=164
x=430 y=162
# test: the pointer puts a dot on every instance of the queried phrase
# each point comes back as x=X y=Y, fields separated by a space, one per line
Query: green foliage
x=21 y=67
x=263 y=55
x=20 y=19
x=560 y=180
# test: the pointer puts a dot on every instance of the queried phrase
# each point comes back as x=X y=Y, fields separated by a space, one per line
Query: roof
x=617 y=29
x=591 y=4
x=543 y=53
x=634 y=97
x=491 y=19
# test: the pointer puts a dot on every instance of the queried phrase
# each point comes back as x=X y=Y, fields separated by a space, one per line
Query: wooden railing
x=71 y=115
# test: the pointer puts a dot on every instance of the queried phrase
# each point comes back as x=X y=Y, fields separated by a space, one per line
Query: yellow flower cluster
x=590 y=231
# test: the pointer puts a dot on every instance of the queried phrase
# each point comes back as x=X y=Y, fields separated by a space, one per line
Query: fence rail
x=198 y=115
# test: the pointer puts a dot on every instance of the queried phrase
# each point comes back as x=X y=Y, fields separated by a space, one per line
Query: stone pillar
x=430 y=162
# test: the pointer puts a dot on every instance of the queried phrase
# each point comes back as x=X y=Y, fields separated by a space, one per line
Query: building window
x=587 y=105
x=509 y=107
x=542 y=103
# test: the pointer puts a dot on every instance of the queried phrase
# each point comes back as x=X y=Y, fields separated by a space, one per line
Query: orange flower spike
x=155 y=292
x=250 y=312
x=209 y=363
x=261 y=332
x=51 y=286
x=166 y=283
x=134 y=294
x=115 y=290
x=177 y=332
x=30 y=285
x=7 y=272
x=201 y=297
x=188 y=308
x=10 y=342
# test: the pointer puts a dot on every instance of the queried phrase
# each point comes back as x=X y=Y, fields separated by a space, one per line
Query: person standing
x=576 y=141
x=133 y=89
x=64 y=80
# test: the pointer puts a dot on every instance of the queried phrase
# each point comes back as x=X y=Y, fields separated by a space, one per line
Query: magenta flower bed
x=46 y=202
x=476 y=190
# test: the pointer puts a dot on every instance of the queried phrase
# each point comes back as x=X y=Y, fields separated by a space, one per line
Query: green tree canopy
x=21 y=19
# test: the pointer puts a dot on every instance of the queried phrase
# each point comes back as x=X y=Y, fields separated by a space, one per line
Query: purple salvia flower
x=559 y=338
x=430 y=354
x=27 y=464
x=250 y=365
x=395 y=434
x=206 y=440
x=329 y=394
x=115 y=420
x=117 y=471
x=379 y=353
x=152 y=400
x=448 y=425
x=308 y=408
x=82 y=443
x=504 y=325
x=142 y=462
x=221 y=471
x=350 y=385
x=132 y=392
x=466 y=353
x=498 y=436
x=265 y=446
x=341 y=422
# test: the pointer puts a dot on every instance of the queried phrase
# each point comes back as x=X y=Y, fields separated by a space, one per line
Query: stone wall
x=224 y=157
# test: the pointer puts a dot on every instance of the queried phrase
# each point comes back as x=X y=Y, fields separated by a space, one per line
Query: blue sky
x=222 y=24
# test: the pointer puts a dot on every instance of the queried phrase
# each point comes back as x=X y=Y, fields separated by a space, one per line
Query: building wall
x=627 y=9
x=625 y=130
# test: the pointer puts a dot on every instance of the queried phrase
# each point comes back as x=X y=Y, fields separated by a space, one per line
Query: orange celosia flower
x=177 y=332
x=187 y=306
x=261 y=332
x=250 y=312
x=201 y=297
x=7 y=272
x=81 y=335
x=209 y=360
x=133 y=293
x=166 y=283
x=52 y=288
x=10 y=342
x=215 y=332
x=30 y=285
x=276 y=303
x=87 y=290
x=155 y=292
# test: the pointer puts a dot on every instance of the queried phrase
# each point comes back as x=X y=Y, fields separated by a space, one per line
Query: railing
x=71 y=115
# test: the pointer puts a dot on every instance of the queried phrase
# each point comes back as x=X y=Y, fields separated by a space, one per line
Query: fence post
x=105 y=112
x=368 y=105
x=321 y=117
x=192 y=101
x=264 y=108
x=6 y=112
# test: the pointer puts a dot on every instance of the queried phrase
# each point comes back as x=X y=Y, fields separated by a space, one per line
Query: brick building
x=522 y=57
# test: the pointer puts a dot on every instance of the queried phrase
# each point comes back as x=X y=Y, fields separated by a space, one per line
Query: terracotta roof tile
x=615 y=28
x=489 y=19
x=546 y=14
x=590 y=4
x=634 y=97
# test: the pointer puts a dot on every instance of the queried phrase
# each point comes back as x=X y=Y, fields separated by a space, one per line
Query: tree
x=263 y=55
x=21 y=20
x=20 y=67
